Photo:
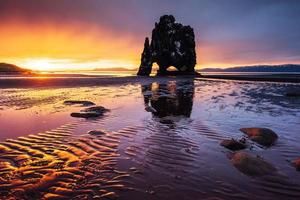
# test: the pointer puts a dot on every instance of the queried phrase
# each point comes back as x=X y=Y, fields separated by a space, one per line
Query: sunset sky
x=87 y=34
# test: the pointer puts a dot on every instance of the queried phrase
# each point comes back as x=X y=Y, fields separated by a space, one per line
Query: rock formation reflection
x=169 y=99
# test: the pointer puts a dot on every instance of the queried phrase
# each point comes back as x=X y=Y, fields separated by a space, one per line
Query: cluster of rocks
x=247 y=163
x=172 y=44
x=91 y=112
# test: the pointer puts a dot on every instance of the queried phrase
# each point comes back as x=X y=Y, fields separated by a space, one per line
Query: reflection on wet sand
x=171 y=151
x=57 y=165
x=169 y=99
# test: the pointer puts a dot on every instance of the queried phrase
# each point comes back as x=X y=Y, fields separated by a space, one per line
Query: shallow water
x=162 y=140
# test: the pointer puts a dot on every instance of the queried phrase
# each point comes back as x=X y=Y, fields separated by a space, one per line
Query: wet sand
x=161 y=139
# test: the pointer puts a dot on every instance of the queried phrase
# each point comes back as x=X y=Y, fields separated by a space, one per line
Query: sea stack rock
x=172 y=44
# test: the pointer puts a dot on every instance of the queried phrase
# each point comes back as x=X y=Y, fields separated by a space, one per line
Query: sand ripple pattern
x=57 y=165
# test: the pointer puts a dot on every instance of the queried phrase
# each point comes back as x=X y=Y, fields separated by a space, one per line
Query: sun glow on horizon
x=53 y=64
x=49 y=47
x=38 y=64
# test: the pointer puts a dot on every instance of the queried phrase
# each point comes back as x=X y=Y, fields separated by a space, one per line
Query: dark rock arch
x=172 y=44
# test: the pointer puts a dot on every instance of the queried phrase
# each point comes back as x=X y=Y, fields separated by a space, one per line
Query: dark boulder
x=252 y=165
x=146 y=60
x=172 y=44
x=262 y=136
x=233 y=144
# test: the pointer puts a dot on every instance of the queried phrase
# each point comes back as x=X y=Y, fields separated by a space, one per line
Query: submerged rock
x=252 y=165
x=172 y=44
x=297 y=164
x=233 y=144
x=84 y=103
x=262 y=136
x=95 y=111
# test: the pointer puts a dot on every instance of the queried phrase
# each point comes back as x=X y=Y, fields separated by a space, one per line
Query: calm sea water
x=162 y=138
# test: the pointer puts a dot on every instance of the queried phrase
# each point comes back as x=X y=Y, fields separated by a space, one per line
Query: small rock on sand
x=85 y=114
x=252 y=165
x=233 y=144
x=95 y=111
x=297 y=164
x=96 y=132
x=84 y=103
x=262 y=136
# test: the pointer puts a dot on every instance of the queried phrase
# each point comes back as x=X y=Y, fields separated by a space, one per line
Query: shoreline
x=282 y=78
x=68 y=80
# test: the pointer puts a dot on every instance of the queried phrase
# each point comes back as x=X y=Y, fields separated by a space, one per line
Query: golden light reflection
x=49 y=47
x=53 y=64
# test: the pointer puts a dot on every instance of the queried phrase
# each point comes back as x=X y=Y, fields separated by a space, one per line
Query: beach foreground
x=160 y=139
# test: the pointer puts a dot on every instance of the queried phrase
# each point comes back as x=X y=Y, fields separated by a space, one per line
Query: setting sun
x=40 y=64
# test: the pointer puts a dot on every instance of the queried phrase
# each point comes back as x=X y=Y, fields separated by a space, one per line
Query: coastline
x=283 y=78
x=70 y=80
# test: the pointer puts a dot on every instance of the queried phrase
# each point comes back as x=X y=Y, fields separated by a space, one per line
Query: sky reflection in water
x=168 y=128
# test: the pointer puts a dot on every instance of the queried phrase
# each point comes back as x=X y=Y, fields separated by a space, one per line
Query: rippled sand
x=161 y=140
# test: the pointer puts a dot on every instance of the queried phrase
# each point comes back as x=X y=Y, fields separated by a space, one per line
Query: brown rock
x=252 y=165
x=297 y=164
x=262 y=136
x=233 y=144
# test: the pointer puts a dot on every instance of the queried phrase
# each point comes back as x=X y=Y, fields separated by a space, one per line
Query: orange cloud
x=74 y=43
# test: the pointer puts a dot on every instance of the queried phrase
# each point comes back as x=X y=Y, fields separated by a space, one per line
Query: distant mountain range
x=6 y=68
x=256 y=68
